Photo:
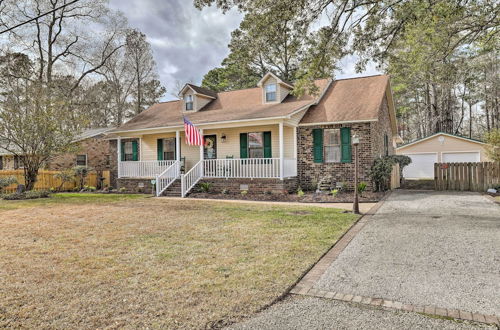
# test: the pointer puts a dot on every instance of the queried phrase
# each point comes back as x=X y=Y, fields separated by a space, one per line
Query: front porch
x=215 y=160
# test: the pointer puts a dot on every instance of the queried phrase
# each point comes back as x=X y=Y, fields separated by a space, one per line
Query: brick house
x=261 y=139
x=92 y=148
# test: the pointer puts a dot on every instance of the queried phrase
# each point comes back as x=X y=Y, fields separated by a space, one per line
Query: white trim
x=340 y=122
x=278 y=80
x=177 y=145
x=202 y=150
x=282 y=147
x=119 y=152
x=86 y=159
x=419 y=153
x=437 y=134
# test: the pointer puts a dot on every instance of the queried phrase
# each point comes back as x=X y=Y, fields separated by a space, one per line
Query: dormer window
x=189 y=102
x=270 y=92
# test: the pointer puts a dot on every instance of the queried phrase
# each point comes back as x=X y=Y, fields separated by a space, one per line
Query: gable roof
x=278 y=79
x=238 y=105
x=440 y=133
x=92 y=132
x=349 y=100
x=200 y=90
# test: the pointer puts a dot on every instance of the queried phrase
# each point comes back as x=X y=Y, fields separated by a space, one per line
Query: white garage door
x=459 y=157
x=422 y=166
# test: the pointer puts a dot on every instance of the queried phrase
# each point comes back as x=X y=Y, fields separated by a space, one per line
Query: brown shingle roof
x=347 y=100
x=244 y=104
x=203 y=91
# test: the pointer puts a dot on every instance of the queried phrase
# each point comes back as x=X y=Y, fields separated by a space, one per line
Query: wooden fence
x=395 y=177
x=46 y=180
x=466 y=176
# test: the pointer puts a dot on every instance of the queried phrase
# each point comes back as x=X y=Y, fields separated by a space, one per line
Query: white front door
x=460 y=157
x=421 y=167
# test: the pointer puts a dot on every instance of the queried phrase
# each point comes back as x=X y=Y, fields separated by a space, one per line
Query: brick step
x=174 y=190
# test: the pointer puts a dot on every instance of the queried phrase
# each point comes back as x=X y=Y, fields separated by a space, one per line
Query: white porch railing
x=290 y=167
x=167 y=177
x=265 y=168
x=189 y=180
x=143 y=169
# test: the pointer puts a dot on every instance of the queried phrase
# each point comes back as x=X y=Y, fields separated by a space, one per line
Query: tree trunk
x=30 y=177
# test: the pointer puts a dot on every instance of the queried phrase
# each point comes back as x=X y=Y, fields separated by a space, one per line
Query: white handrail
x=242 y=168
x=167 y=177
x=143 y=169
x=189 y=180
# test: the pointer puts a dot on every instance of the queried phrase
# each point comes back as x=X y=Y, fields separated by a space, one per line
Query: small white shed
x=439 y=148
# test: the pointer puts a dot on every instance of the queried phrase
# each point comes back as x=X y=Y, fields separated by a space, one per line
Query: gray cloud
x=188 y=42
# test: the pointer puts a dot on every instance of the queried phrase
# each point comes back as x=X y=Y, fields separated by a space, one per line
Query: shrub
x=225 y=191
x=122 y=189
x=205 y=186
x=7 y=181
x=34 y=194
x=64 y=176
x=334 y=192
x=380 y=172
x=244 y=192
x=403 y=161
x=13 y=196
x=300 y=192
x=362 y=187
x=81 y=172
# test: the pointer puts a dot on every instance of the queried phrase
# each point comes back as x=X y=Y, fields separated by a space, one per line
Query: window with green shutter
x=345 y=140
x=135 y=154
x=122 y=151
x=318 y=145
x=243 y=145
x=268 y=150
x=159 y=149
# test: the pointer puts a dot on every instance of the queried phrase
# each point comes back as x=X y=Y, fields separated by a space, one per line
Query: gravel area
x=298 y=312
x=425 y=248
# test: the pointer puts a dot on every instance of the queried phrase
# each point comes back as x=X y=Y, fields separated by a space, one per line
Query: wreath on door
x=209 y=143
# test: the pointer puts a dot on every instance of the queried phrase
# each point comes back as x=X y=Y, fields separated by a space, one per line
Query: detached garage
x=439 y=148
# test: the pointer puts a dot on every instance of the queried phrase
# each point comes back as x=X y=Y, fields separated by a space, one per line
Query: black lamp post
x=355 y=205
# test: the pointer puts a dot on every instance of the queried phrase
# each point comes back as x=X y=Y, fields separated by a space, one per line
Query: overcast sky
x=187 y=42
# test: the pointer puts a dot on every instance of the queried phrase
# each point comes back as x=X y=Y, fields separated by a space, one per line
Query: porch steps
x=174 y=190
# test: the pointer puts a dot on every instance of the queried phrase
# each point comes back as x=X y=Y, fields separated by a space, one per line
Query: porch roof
x=238 y=105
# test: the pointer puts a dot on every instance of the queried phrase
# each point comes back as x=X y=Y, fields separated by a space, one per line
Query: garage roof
x=440 y=133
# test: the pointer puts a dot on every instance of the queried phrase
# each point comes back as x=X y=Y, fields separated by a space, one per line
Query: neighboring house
x=93 y=149
x=260 y=139
x=439 y=148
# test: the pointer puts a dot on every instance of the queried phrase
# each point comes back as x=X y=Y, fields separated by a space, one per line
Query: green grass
x=69 y=198
x=136 y=262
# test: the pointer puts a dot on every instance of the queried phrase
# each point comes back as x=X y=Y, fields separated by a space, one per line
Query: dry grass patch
x=149 y=262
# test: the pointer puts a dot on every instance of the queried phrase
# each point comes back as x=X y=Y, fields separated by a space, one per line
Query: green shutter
x=175 y=148
x=159 y=149
x=268 y=151
x=345 y=140
x=122 y=151
x=243 y=145
x=318 y=145
x=386 y=145
x=135 y=156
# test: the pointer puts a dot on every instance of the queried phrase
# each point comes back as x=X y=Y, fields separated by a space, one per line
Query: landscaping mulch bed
x=308 y=197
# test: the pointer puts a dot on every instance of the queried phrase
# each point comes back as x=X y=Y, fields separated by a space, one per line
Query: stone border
x=396 y=305
x=306 y=283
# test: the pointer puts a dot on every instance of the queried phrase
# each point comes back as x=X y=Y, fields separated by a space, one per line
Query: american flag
x=193 y=136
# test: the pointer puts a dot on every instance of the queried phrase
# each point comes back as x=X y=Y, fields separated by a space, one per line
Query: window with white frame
x=331 y=145
x=81 y=160
x=188 y=99
x=128 y=151
x=256 y=145
x=169 y=149
x=270 y=92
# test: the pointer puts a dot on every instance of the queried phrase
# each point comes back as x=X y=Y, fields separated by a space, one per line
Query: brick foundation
x=255 y=186
x=131 y=185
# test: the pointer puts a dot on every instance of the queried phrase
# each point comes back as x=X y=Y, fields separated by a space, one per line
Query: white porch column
x=282 y=153
x=177 y=146
x=201 y=154
x=295 y=143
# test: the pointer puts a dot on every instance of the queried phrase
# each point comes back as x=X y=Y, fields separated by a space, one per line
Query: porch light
x=223 y=137
x=355 y=140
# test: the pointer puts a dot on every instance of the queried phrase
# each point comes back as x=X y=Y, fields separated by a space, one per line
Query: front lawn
x=76 y=261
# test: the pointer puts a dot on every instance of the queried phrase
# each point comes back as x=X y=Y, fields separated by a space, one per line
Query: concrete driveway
x=420 y=248
x=425 y=248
